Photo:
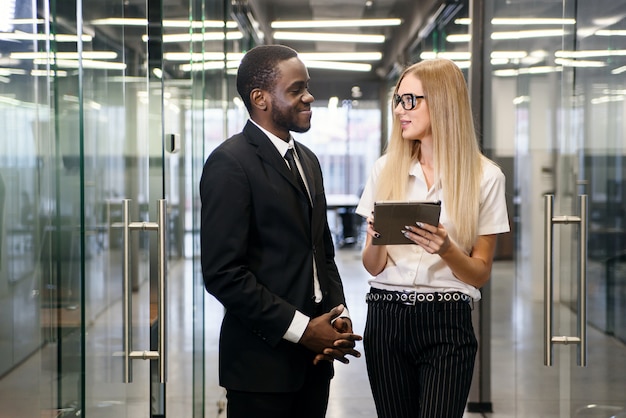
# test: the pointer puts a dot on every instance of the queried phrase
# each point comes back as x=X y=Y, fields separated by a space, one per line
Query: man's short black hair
x=258 y=69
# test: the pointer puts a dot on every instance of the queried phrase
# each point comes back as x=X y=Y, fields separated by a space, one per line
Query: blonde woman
x=419 y=342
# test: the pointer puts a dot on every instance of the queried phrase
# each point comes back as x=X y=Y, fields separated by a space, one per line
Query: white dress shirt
x=410 y=267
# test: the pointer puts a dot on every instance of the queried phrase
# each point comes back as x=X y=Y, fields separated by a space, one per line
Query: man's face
x=290 y=98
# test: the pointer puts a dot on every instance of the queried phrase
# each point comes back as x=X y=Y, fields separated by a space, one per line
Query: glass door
x=565 y=97
x=125 y=205
x=594 y=172
x=90 y=212
x=36 y=339
x=152 y=354
x=552 y=108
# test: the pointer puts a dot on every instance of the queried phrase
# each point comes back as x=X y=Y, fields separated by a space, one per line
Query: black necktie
x=294 y=170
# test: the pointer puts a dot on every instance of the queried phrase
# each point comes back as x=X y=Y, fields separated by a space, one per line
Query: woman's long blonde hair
x=457 y=157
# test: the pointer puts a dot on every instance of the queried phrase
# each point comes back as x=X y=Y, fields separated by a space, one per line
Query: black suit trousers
x=310 y=401
x=420 y=358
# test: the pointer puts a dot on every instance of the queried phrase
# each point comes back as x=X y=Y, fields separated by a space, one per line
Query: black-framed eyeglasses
x=408 y=100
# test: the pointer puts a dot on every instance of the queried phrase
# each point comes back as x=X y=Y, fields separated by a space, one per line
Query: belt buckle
x=408 y=298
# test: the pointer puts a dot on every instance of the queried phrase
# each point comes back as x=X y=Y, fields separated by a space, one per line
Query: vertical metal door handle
x=161 y=228
x=547 y=276
x=549 y=338
x=127 y=300
x=162 y=288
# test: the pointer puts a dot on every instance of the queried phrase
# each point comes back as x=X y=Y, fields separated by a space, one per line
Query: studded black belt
x=411 y=297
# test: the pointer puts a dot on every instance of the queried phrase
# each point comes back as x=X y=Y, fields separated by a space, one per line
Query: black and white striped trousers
x=420 y=358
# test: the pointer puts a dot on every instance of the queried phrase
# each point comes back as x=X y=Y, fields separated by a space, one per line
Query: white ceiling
x=413 y=13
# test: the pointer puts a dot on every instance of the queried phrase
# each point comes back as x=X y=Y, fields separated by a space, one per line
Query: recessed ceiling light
x=351 y=23
x=329 y=37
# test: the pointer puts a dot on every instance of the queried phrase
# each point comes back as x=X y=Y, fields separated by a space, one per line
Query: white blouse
x=409 y=267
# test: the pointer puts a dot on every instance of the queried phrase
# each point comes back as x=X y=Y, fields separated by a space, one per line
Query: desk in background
x=346 y=230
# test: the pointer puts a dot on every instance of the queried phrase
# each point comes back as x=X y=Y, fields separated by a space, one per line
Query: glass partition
x=553 y=119
x=88 y=100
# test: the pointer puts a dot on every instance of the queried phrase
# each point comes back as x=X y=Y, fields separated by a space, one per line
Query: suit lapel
x=268 y=152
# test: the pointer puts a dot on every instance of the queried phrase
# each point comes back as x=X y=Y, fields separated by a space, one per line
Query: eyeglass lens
x=408 y=100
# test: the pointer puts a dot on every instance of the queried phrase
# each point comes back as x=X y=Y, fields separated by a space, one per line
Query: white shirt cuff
x=297 y=327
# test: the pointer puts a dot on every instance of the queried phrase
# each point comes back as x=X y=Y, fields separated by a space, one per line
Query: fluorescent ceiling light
x=525 y=71
x=52 y=73
x=329 y=37
x=508 y=54
x=27 y=21
x=449 y=55
x=522 y=34
x=526 y=34
x=607 y=32
x=102 y=55
x=591 y=53
x=197 y=37
x=497 y=57
x=208 y=65
x=619 y=70
x=540 y=70
x=114 y=21
x=521 y=99
x=98 y=65
x=193 y=57
x=342 y=66
x=459 y=38
x=231 y=24
x=499 y=61
x=605 y=22
x=202 y=56
x=607 y=99
x=356 y=23
x=236 y=56
x=511 y=21
x=11 y=71
x=23 y=36
x=341 y=56
x=579 y=63
x=119 y=21
x=531 y=21
x=329 y=65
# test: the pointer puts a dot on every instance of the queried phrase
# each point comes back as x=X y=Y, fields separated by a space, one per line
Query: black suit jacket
x=258 y=244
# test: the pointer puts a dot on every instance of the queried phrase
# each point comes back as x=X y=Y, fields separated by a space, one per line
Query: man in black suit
x=267 y=251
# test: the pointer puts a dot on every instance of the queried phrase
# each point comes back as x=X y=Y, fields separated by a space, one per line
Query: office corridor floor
x=350 y=392
x=521 y=385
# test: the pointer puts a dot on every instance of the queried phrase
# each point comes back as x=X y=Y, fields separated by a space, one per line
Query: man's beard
x=285 y=119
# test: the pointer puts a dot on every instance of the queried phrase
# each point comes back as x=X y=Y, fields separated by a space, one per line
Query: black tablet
x=391 y=217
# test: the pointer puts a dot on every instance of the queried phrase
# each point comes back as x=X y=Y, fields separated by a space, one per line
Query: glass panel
x=210 y=116
x=185 y=85
x=60 y=241
x=41 y=245
x=192 y=149
x=599 y=90
x=562 y=108
x=115 y=135
x=529 y=96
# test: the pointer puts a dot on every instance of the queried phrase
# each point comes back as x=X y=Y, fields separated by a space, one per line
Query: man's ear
x=258 y=99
